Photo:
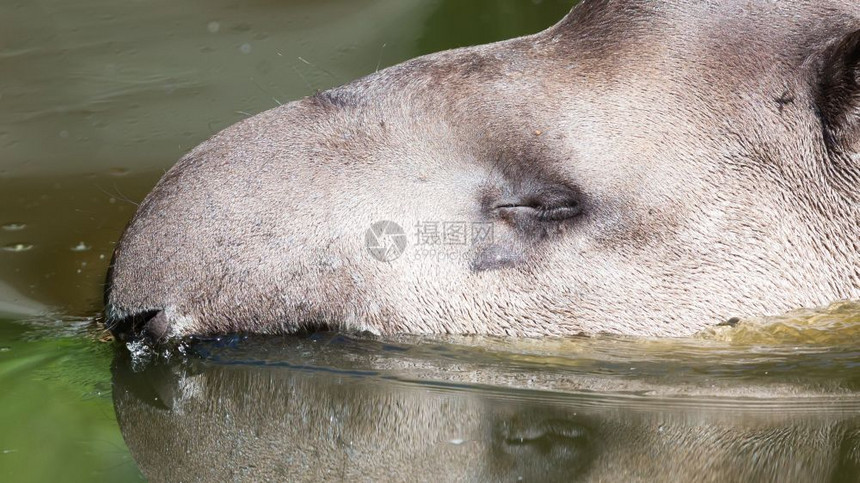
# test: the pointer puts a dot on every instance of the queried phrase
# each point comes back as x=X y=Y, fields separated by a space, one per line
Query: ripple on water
x=81 y=247
x=806 y=361
x=17 y=247
x=605 y=371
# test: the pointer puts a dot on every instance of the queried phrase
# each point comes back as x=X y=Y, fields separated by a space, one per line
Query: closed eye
x=537 y=209
x=540 y=212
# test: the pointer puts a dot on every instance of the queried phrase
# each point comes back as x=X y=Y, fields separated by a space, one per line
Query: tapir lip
x=151 y=325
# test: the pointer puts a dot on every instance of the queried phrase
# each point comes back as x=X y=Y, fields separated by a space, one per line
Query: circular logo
x=385 y=240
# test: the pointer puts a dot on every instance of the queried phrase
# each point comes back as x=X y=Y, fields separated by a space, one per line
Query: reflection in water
x=332 y=408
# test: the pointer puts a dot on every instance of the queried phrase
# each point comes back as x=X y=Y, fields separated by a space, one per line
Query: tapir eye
x=540 y=212
x=546 y=206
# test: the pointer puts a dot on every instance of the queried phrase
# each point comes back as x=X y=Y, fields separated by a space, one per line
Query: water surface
x=331 y=407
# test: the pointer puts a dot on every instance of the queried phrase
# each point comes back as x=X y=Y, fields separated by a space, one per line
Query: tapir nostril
x=151 y=324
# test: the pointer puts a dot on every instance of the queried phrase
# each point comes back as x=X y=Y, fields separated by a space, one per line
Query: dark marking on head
x=480 y=66
x=334 y=98
x=784 y=99
x=733 y=322
x=495 y=257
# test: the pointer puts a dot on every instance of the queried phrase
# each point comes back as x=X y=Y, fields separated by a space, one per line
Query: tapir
x=640 y=168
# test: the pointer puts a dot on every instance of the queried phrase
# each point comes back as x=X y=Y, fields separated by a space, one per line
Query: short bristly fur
x=649 y=168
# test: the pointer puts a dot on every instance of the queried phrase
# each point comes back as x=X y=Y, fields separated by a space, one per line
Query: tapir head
x=644 y=168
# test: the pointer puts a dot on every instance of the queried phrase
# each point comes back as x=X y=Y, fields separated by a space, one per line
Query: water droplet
x=14 y=226
x=81 y=247
x=18 y=247
x=213 y=27
x=245 y=48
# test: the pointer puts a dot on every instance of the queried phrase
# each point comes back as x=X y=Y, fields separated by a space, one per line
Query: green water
x=98 y=98
x=56 y=410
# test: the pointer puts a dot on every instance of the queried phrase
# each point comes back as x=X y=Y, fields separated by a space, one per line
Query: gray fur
x=715 y=165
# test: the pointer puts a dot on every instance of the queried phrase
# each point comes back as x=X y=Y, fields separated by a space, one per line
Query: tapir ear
x=838 y=93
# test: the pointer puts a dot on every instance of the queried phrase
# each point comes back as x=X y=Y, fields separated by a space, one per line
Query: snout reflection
x=538 y=442
x=348 y=414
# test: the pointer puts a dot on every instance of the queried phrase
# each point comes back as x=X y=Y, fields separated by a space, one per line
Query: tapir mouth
x=151 y=326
